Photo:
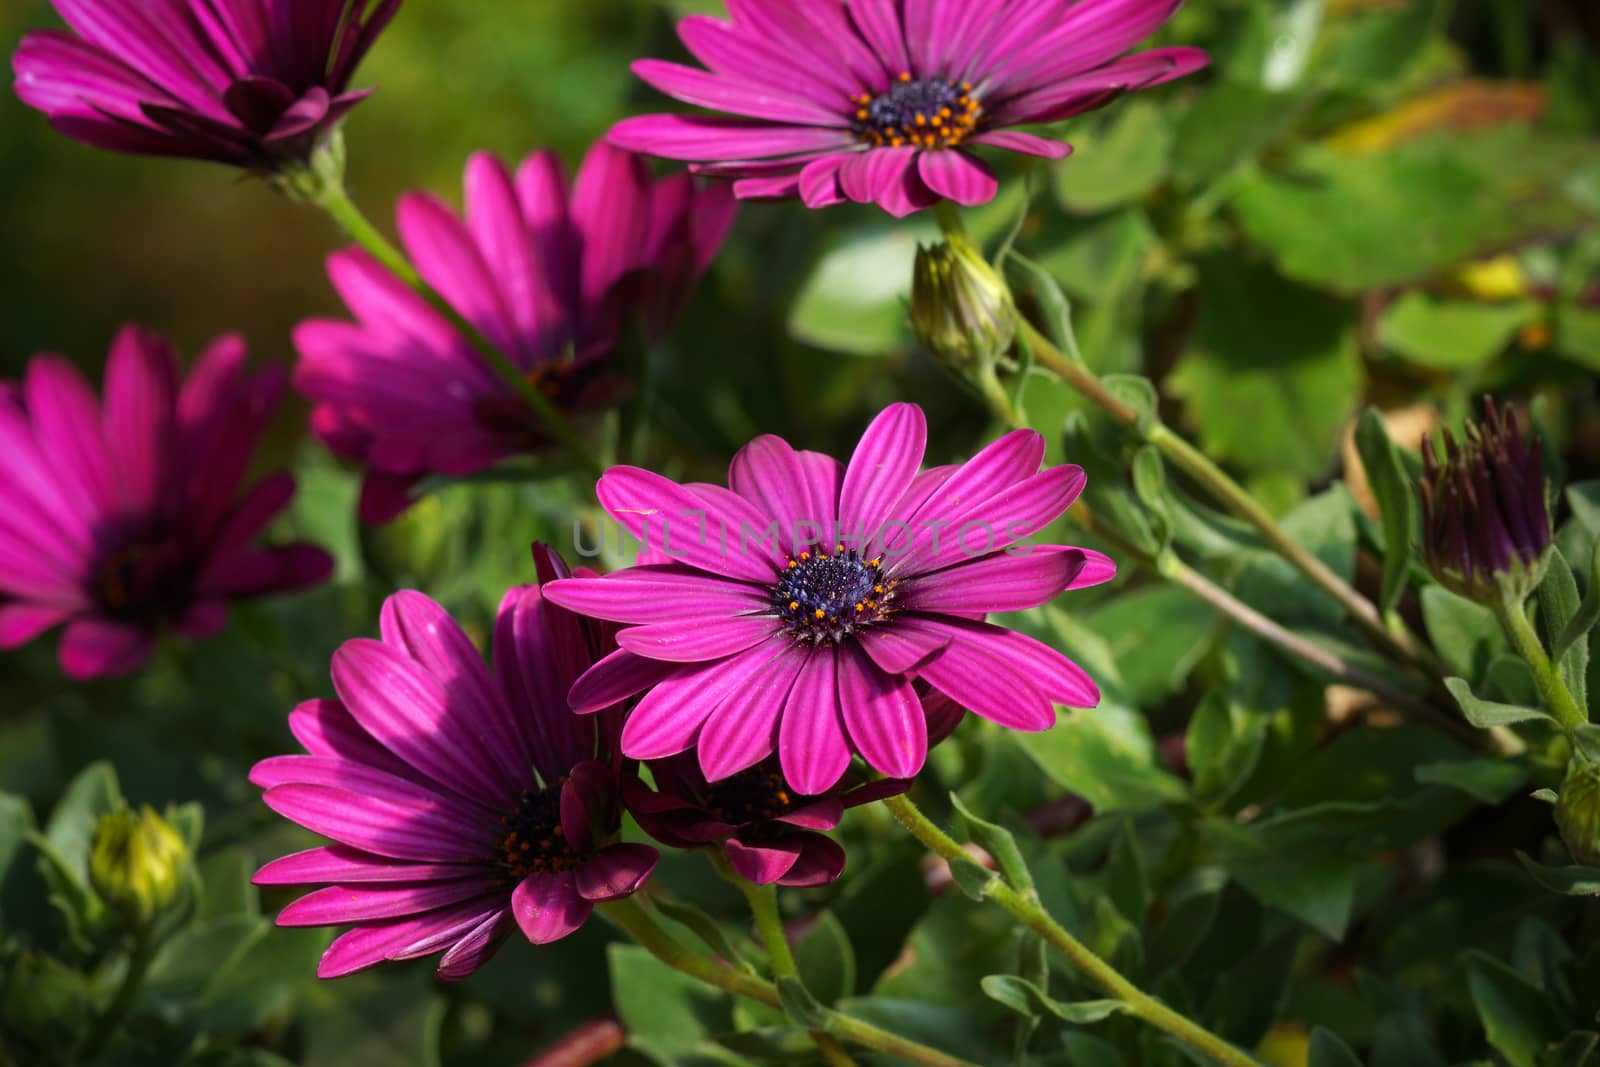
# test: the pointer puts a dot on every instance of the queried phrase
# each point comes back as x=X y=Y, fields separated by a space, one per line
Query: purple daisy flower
x=462 y=803
x=124 y=519
x=806 y=600
x=250 y=83
x=768 y=831
x=877 y=101
x=547 y=274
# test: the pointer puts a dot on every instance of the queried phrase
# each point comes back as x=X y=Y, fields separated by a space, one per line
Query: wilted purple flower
x=547 y=275
x=878 y=101
x=807 y=600
x=125 y=519
x=462 y=802
x=1484 y=516
x=250 y=83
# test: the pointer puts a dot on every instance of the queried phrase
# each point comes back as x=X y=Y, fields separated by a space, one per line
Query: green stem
x=1546 y=675
x=763 y=901
x=329 y=194
x=140 y=952
x=637 y=923
x=1027 y=909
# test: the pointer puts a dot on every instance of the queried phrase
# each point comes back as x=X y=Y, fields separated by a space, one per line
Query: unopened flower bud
x=136 y=862
x=1485 y=523
x=1578 y=812
x=961 y=309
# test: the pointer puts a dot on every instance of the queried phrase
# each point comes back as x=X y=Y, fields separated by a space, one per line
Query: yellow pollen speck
x=804 y=556
x=861 y=113
x=794 y=605
x=905 y=75
x=938 y=121
x=821 y=614
x=877 y=589
x=966 y=87
x=922 y=120
x=793 y=564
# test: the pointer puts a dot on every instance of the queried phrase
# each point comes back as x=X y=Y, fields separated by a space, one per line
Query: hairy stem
x=1026 y=909
x=763 y=901
x=637 y=923
x=1546 y=675
x=330 y=195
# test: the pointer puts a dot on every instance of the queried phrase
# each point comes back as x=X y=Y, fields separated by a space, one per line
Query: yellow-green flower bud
x=961 y=309
x=1578 y=812
x=136 y=863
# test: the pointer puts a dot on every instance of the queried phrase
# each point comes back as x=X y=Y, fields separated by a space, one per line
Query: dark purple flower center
x=535 y=842
x=821 y=596
x=142 y=582
x=753 y=795
x=922 y=112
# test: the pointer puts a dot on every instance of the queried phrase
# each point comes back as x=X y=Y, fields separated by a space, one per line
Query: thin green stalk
x=1399 y=642
x=1546 y=675
x=637 y=923
x=140 y=953
x=763 y=901
x=1028 y=910
x=329 y=194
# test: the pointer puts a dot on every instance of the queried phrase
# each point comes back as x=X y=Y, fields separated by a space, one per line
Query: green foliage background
x=1275 y=243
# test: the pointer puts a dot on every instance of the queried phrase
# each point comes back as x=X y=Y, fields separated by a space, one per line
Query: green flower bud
x=961 y=310
x=1578 y=811
x=136 y=863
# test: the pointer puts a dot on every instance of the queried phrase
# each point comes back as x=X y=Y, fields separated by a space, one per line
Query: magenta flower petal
x=618 y=677
x=616 y=871
x=676 y=643
x=812 y=746
x=877 y=101
x=330 y=864
x=92 y=648
x=801 y=495
x=547 y=907
x=668 y=718
x=1004 y=582
x=463 y=800
x=989 y=525
x=879 y=473
x=673 y=521
x=402 y=939
x=354 y=904
x=820 y=861
x=762 y=863
x=656 y=594
x=475 y=947
x=882 y=715
x=743 y=729
x=958 y=177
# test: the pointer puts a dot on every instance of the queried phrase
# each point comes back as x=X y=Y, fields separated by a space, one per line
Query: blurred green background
x=1363 y=201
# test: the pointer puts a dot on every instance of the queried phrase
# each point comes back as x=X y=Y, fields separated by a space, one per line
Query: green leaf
x=1105 y=756
x=1329 y=1050
x=1127 y=882
x=1054 y=309
x=1574 y=880
x=16 y=824
x=1025 y=998
x=1485 y=713
x=226 y=888
x=826 y=959
x=70 y=831
x=1558 y=606
x=1518 y=1017
x=1588 y=613
x=1158 y=635
x=1451 y=334
x=186 y=965
x=1400 y=216
x=1121 y=161
x=853 y=302
x=1269 y=392
x=1465 y=635
x=1229 y=124
x=1397 y=504
x=999 y=843
x=665 y=1013
x=1222 y=745
x=1488 y=780
x=1584 y=499
x=974 y=881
